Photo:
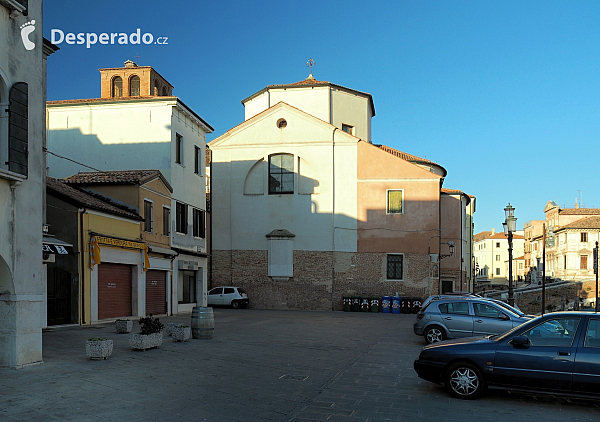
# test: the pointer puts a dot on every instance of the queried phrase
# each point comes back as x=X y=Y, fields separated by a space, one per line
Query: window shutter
x=18 y=136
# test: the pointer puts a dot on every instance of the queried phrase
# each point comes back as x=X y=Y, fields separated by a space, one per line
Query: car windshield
x=510 y=308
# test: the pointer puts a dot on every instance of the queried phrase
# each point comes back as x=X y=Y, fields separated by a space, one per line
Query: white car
x=235 y=297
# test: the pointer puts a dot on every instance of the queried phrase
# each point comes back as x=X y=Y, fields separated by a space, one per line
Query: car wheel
x=434 y=334
x=464 y=381
x=235 y=304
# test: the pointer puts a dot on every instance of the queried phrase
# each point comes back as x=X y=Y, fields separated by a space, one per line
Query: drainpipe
x=333 y=220
x=440 y=238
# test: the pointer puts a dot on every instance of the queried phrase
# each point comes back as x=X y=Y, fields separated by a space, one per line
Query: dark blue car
x=554 y=353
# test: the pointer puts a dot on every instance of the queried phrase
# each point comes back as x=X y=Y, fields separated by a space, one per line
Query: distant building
x=571 y=234
x=491 y=258
x=138 y=124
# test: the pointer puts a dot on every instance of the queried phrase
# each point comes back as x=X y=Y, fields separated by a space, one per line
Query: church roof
x=409 y=157
x=312 y=82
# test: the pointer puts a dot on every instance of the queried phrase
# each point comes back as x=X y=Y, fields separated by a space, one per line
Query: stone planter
x=123 y=326
x=98 y=349
x=169 y=328
x=139 y=341
x=181 y=332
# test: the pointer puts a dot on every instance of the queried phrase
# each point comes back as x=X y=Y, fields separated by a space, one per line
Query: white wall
x=241 y=221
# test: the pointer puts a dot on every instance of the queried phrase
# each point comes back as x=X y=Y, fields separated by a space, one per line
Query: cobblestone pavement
x=261 y=365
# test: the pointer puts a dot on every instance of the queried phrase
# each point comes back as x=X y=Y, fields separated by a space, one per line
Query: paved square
x=261 y=365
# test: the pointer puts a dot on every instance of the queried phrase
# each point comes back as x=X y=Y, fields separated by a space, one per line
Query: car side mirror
x=503 y=317
x=520 y=342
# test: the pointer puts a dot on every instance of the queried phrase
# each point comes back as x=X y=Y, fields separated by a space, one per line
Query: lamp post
x=510 y=226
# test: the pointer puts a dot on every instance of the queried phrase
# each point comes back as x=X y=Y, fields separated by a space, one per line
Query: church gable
x=282 y=124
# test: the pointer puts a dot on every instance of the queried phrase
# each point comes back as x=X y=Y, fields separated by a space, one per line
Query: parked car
x=447 y=295
x=235 y=297
x=557 y=353
x=460 y=317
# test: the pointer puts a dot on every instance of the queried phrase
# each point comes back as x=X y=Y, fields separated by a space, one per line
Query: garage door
x=156 y=292
x=114 y=290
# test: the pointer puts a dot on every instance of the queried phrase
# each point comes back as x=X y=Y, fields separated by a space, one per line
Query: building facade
x=490 y=250
x=570 y=236
x=23 y=54
x=306 y=210
x=125 y=131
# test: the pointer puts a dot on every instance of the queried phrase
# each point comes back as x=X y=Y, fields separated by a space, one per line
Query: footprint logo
x=26 y=29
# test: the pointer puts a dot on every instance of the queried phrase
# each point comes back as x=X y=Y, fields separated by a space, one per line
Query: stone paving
x=261 y=365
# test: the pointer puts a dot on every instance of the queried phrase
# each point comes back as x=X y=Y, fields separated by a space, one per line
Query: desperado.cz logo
x=57 y=37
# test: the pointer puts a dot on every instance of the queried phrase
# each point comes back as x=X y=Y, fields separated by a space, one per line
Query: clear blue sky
x=505 y=95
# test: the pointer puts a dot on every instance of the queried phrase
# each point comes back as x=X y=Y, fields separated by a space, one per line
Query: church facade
x=307 y=210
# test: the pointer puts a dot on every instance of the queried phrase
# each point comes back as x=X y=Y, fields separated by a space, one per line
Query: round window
x=281 y=123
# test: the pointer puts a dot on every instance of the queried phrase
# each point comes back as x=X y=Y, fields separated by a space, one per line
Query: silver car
x=464 y=317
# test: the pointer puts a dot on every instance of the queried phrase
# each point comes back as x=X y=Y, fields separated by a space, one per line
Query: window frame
x=387 y=202
x=181 y=218
x=198 y=223
x=583 y=237
x=198 y=160
x=132 y=79
x=178 y=148
x=166 y=220
x=387 y=267
x=148 y=215
x=283 y=172
x=112 y=87
x=350 y=128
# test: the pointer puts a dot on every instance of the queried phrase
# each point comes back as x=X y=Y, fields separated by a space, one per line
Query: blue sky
x=505 y=95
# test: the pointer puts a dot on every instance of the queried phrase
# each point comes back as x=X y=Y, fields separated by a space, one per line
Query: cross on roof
x=311 y=63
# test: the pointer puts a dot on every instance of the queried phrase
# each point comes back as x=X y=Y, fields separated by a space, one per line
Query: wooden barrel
x=203 y=322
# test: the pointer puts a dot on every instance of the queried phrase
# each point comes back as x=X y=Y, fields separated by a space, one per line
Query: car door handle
x=479 y=320
x=448 y=318
x=564 y=353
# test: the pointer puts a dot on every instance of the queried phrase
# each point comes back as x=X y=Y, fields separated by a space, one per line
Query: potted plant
x=123 y=326
x=98 y=348
x=150 y=335
x=181 y=332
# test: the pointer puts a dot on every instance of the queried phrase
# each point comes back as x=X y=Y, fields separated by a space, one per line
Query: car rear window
x=461 y=308
x=241 y=291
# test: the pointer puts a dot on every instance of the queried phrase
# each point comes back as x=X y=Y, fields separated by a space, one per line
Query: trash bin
x=406 y=305
x=355 y=304
x=374 y=304
x=386 y=303
x=416 y=307
x=396 y=304
x=347 y=303
x=364 y=304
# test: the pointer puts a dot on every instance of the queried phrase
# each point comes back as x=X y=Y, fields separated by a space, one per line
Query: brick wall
x=311 y=287
x=529 y=300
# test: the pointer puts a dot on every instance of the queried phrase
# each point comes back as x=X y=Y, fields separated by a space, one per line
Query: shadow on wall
x=89 y=150
x=6 y=281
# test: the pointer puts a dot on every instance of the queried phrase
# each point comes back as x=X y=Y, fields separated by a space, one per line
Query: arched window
x=156 y=89
x=134 y=86
x=164 y=91
x=117 y=87
x=281 y=173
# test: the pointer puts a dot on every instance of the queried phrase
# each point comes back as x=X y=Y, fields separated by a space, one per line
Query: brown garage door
x=156 y=292
x=114 y=290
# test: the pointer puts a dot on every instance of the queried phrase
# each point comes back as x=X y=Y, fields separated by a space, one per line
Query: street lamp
x=510 y=226
x=451 y=246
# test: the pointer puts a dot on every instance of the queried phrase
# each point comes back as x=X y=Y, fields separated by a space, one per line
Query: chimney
x=576 y=204
x=493 y=232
